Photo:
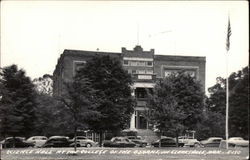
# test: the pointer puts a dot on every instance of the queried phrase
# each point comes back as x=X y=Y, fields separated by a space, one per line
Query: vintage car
x=167 y=142
x=16 y=142
x=57 y=141
x=211 y=142
x=237 y=142
x=82 y=141
x=118 y=142
x=37 y=140
x=189 y=141
x=138 y=140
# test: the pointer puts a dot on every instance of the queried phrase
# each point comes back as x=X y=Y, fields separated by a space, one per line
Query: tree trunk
x=100 y=140
x=75 y=134
x=177 y=139
x=160 y=139
x=14 y=142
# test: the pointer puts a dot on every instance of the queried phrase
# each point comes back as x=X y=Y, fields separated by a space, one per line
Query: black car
x=57 y=141
x=118 y=142
x=167 y=142
x=16 y=142
x=139 y=141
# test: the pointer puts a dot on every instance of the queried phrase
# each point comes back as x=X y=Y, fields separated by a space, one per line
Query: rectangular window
x=140 y=71
x=141 y=63
x=133 y=71
x=144 y=76
x=149 y=71
x=77 y=65
x=125 y=63
x=133 y=63
x=191 y=73
x=149 y=63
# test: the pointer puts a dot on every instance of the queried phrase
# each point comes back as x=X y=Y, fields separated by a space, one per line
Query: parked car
x=37 y=140
x=211 y=142
x=118 y=142
x=82 y=141
x=189 y=141
x=238 y=142
x=138 y=140
x=17 y=142
x=57 y=141
x=167 y=142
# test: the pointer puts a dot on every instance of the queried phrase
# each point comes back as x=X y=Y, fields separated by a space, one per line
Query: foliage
x=44 y=84
x=211 y=125
x=17 y=102
x=238 y=105
x=47 y=116
x=217 y=100
x=114 y=93
x=176 y=104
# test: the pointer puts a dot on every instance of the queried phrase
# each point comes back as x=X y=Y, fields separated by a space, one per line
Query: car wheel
x=88 y=145
x=197 y=145
x=143 y=145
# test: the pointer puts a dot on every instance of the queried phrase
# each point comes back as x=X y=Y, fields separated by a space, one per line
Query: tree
x=44 y=84
x=17 y=102
x=217 y=99
x=238 y=104
x=47 y=116
x=176 y=104
x=116 y=104
x=80 y=103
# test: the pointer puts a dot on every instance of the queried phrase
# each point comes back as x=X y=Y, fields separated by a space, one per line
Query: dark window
x=125 y=62
x=149 y=63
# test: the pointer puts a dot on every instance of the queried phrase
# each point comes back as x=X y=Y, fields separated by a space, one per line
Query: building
x=144 y=66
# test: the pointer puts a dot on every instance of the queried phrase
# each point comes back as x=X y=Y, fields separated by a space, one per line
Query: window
x=133 y=63
x=141 y=63
x=129 y=71
x=125 y=62
x=77 y=65
x=149 y=63
x=191 y=73
x=133 y=71
x=149 y=71
x=169 y=72
x=140 y=71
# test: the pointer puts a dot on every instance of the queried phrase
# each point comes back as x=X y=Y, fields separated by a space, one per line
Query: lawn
x=125 y=153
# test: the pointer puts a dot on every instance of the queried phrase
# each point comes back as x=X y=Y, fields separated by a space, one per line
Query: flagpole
x=227 y=100
x=227 y=81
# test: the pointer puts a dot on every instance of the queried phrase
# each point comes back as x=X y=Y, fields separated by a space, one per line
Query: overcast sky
x=35 y=33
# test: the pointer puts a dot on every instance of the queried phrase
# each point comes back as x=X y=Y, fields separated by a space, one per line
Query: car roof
x=215 y=138
x=120 y=137
x=38 y=137
x=15 y=138
x=167 y=138
x=235 y=138
x=52 y=137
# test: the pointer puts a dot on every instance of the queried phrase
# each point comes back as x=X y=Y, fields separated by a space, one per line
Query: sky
x=35 y=33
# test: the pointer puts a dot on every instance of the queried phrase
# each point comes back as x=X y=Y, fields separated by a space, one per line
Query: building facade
x=144 y=66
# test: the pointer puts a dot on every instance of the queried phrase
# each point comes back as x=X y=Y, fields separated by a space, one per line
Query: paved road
x=124 y=153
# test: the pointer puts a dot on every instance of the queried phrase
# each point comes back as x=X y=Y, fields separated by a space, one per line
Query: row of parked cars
x=128 y=141
x=42 y=141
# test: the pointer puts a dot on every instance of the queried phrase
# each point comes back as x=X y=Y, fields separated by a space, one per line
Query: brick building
x=144 y=66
